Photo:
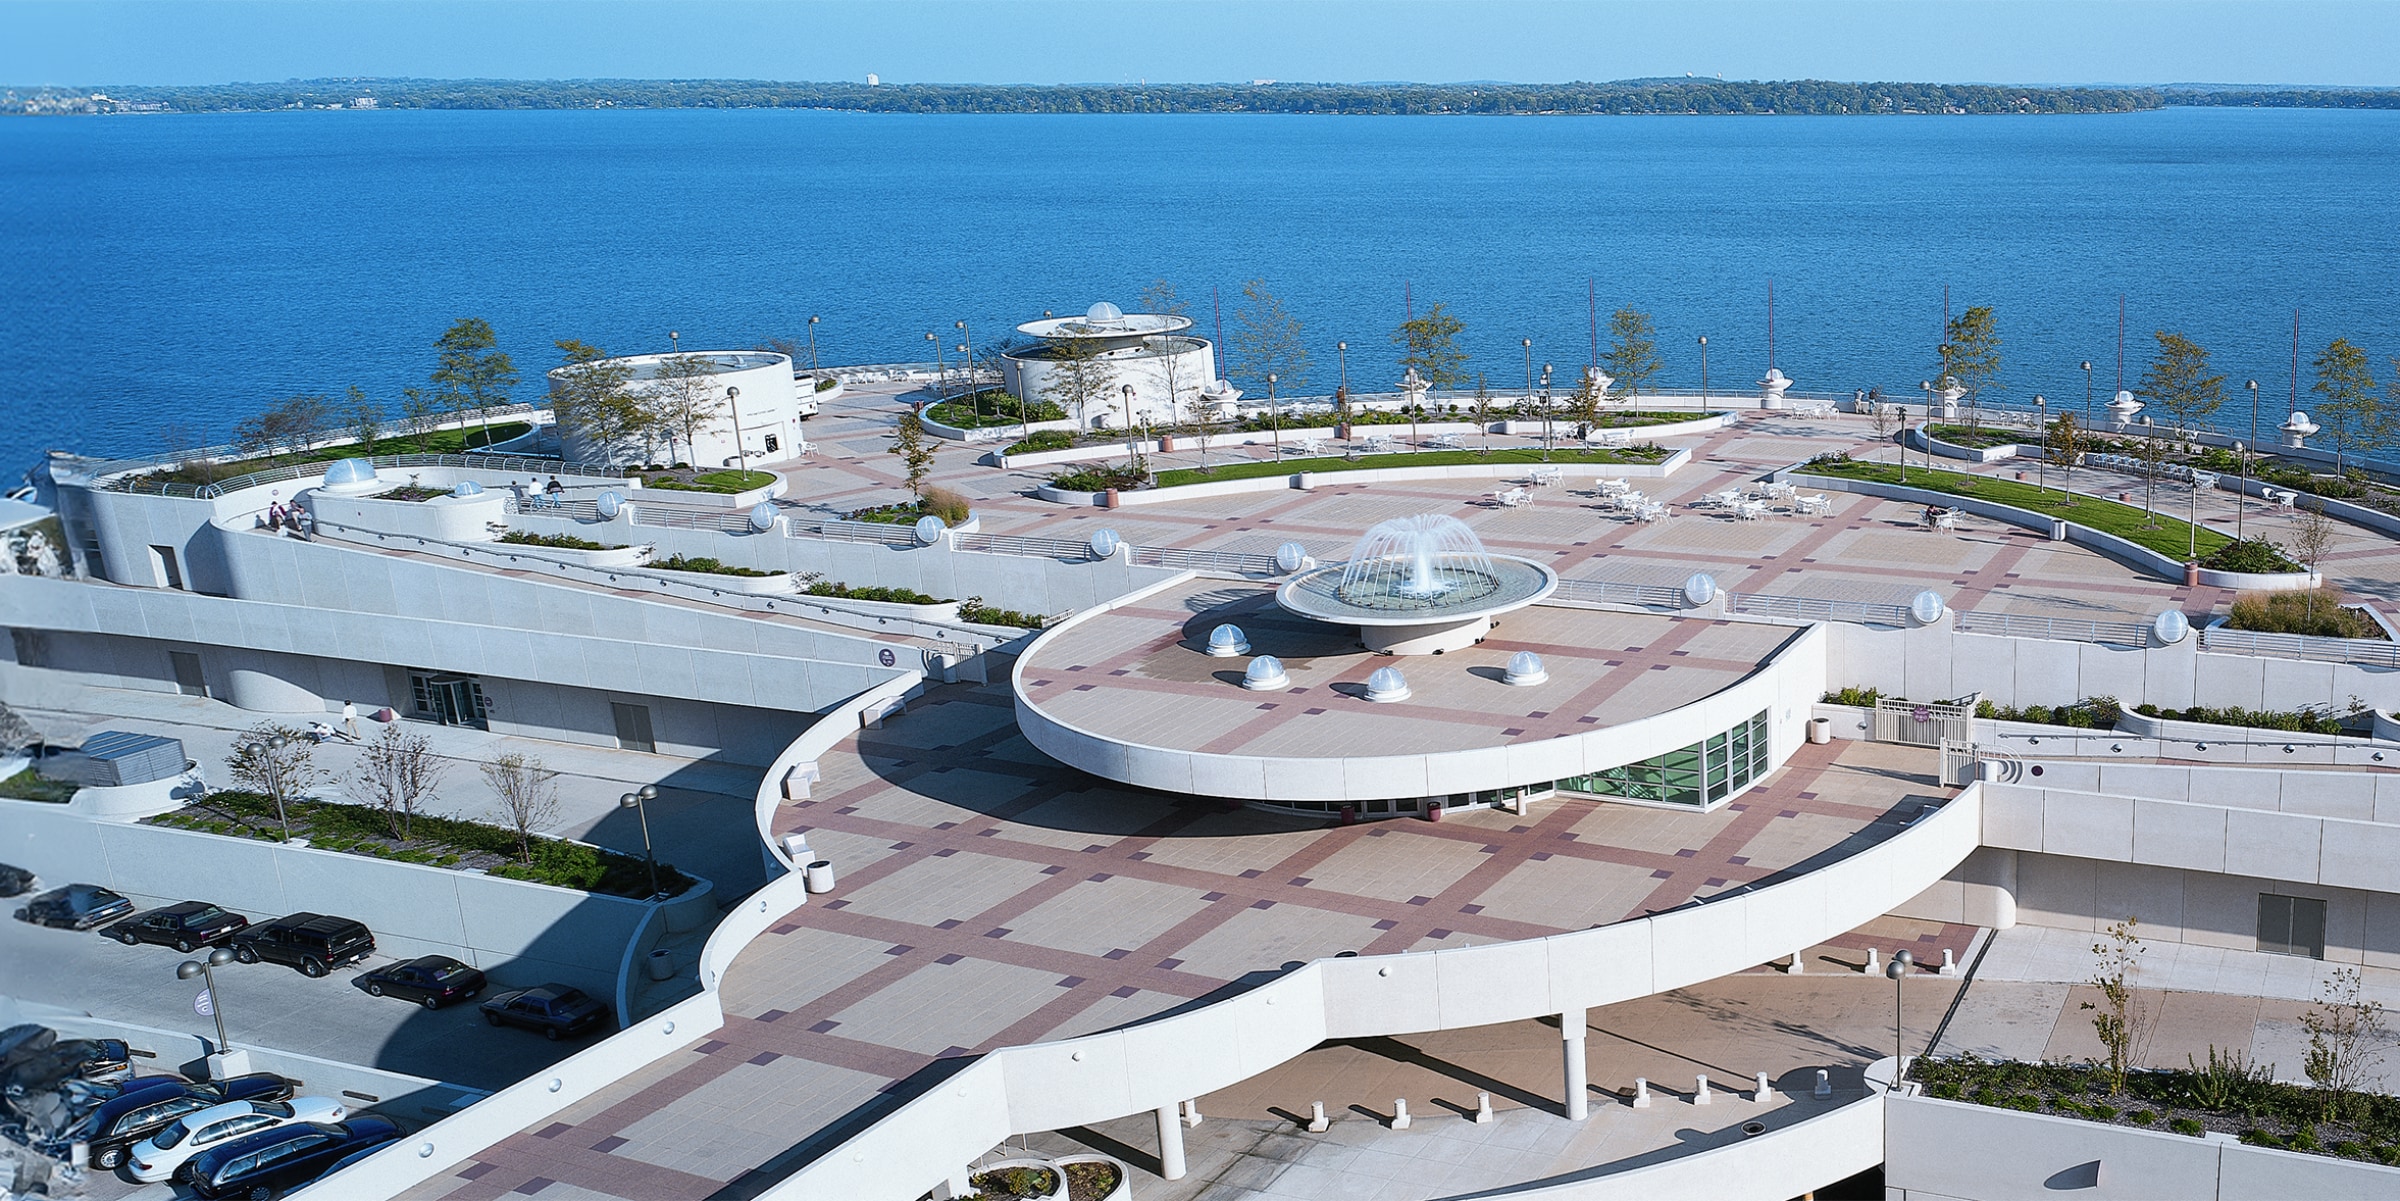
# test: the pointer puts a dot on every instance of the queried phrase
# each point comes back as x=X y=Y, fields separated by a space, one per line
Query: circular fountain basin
x=1406 y=616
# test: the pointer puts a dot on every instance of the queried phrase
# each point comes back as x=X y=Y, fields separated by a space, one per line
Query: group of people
x=282 y=516
x=535 y=494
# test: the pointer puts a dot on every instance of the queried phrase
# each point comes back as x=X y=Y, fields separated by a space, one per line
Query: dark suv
x=184 y=925
x=312 y=942
x=273 y=1162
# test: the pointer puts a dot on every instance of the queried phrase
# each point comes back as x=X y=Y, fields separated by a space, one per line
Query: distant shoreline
x=1644 y=97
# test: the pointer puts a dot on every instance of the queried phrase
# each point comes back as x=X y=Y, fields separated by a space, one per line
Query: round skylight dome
x=1291 y=557
x=1226 y=641
x=1926 y=608
x=1265 y=674
x=467 y=488
x=1387 y=685
x=1103 y=311
x=350 y=472
x=1525 y=670
x=762 y=518
x=1700 y=589
x=1104 y=542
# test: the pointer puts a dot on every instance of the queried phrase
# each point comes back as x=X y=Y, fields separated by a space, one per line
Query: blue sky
x=1054 y=41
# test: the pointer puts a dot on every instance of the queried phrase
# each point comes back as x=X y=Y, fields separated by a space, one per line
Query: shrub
x=2256 y=555
x=2141 y=1117
x=2190 y=1126
x=705 y=565
x=2251 y=719
x=896 y=596
x=2316 y=611
x=1863 y=698
x=556 y=541
x=950 y=506
x=974 y=610
x=1100 y=479
x=1041 y=440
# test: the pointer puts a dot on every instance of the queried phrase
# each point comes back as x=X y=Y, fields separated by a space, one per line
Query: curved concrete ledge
x=1785 y=687
x=1789 y=1160
x=1010 y=432
x=1049 y=1086
x=939 y=612
x=1918 y=439
x=1302 y=478
x=773 y=584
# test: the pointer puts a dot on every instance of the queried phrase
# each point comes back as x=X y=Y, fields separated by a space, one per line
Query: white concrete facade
x=767 y=412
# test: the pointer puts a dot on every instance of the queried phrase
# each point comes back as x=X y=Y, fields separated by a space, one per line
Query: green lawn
x=439 y=442
x=29 y=785
x=1532 y=456
x=727 y=482
x=2168 y=536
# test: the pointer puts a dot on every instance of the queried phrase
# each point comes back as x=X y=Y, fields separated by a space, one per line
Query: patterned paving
x=990 y=897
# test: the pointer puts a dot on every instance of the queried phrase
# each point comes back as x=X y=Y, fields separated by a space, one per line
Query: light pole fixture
x=1529 y=371
x=812 y=345
x=205 y=968
x=1897 y=971
x=741 y=454
x=1925 y=386
x=2150 y=468
x=1275 y=417
x=2087 y=393
x=941 y=374
x=1903 y=442
x=966 y=366
x=2041 y=427
x=2191 y=524
x=674 y=342
x=2241 y=503
x=638 y=801
x=1133 y=454
x=1704 y=370
x=1341 y=352
x=1545 y=412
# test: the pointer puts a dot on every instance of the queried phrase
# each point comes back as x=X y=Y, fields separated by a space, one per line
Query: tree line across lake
x=1625 y=97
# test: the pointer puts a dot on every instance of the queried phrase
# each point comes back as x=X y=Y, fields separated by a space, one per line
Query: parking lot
x=267 y=1005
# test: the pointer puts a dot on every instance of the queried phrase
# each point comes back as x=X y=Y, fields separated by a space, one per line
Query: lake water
x=192 y=268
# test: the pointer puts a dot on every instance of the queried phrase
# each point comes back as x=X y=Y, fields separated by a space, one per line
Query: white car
x=159 y=1156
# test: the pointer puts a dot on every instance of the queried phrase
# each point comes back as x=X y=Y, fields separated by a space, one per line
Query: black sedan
x=148 y=1106
x=431 y=981
x=75 y=907
x=273 y=1162
x=185 y=925
x=554 y=1009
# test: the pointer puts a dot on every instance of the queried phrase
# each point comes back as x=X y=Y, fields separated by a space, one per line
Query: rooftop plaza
x=1467 y=829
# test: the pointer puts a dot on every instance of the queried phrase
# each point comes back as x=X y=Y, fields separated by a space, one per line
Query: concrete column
x=1170 y=1143
x=1570 y=1034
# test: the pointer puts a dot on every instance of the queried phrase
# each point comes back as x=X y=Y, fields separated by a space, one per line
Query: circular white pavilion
x=1152 y=353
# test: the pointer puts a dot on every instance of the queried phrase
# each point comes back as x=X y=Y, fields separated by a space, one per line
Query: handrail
x=2363 y=651
x=853 y=531
x=1810 y=608
x=94 y=469
x=1032 y=548
x=1654 y=596
x=1233 y=562
x=2057 y=629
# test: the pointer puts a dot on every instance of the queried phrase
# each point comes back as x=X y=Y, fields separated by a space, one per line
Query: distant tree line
x=1626 y=97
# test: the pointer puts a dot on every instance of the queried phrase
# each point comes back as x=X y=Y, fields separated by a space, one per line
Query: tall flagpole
x=1771 y=324
x=2120 y=341
x=1591 y=297
x=2294 y=406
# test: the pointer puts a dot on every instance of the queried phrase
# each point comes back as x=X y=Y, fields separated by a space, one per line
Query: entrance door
x=633 y=727
x=162 y=562
x=447 y=699
x=188 y=679
x=2291 y=925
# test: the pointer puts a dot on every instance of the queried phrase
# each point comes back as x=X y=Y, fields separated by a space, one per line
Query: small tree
x=1970 y=356
x=2346 y=1037
x=1161 y=297
x=1266 y=341
x=420 y=411
x=2349 y=411
x=1584 y=405
x=2312 y=539
x=528 y=794
x=2064 y=444
x=398 y=774
x=2154 y=455
x=1483 y=413
x=1430 y=345
x=288 y=426
x=591 y=394
x=275 y=761
x=911 y=443
x=2122 y=1026
x=181 y=442
x=366 y=420
x=685 y=401
x=1633 y=357
x=471 y=374
x=1204 y=409
x=2178 y=380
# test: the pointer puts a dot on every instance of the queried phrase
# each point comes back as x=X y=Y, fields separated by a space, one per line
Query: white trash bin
x=1820 y=730
x=820 y=876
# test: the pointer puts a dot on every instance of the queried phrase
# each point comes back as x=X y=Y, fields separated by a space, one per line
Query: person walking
x=350 y=719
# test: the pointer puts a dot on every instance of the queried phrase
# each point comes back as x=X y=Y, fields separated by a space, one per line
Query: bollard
x=795 y=848
x=1824 y=1085
x=1399 y=1113
x=1799 y=964
x=1641 y=1093
x=1316 y=1118
x=1483 y=1109
x=1765 y=1091
x=1700 y=1092
x=1874 y=965
x=1949 y=963
x=1191 y=1112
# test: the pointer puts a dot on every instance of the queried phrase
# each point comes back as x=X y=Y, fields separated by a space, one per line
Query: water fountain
x=1417 y=586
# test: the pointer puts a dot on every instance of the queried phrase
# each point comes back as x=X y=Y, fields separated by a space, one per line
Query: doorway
x=189 y=680
x=633 y=727
x=2291 y=925
x=450 y=700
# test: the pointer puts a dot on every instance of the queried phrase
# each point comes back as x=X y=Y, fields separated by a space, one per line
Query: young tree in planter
x=2178 y=380
x=2345 y=1040
x=1483 y=413
x=1584 y=405
x=1430 y=345
x=2064 y=444
x=275 y=761
x=685 y=401
x=2312 y=540
x=366 y=420
x=1076 y=380
x=1204 y=416
x=915 y=449
x=592 y=395
x=1266 y=341
x=2120 y=1022
x=1633 y=357
x=1161 y=297
x=528 y=794
x=2349 y=411
x=420 y=411
x=471 y=374
x=288 y=426
x=398 y=774
x=1970 y=356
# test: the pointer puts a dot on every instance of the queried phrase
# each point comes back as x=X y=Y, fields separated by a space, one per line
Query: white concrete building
x=758 y=410
x=1165 y=367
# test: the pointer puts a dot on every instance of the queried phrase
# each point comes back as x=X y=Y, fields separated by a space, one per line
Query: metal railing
x=724 y=521
x=590 y=472
x=1230 y=562
x=1655 y=596
x=2362 y=651
x=1811 y=608
x=1031 y=548
x=883 y=533
x=2056 y=629
x=93 y=469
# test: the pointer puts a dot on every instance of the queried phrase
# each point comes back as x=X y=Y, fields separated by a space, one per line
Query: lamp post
x=1545 y=412
x=1341 y=351
x=674 y=342
x=1903 y=442
x=941 y=373
x=1529 y=371
x=206 y=969
x=1925 y=386
x=1704 y=371
x=2150 y=468
x=1275 y=417
x=812 y=345
x=2087 y=394
x=1133 y=454
x=1897 y=970
x=637 y=801
x=741 y=454
x=2191 y=523
x=2041 y=427
x=2241 y=503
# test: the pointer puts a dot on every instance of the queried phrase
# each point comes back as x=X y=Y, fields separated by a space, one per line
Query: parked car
x=431 y=981
x=262 y=1165
x=14 y=881
x=75 y=907
x=163 y=1155
x=185 y=925
x=554 y=1009
x=134 y=1115
x=312 y=942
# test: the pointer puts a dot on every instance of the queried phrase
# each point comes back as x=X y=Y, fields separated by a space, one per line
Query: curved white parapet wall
x=1786 y=1161
x=1100 y=1077
x=1785 y=689
x=768 y=407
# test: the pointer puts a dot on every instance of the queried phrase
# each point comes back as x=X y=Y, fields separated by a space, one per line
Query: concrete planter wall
x=2340 y=510
x=1304 y=479
x=990 y=433
x=939 y=611
x=731 y=501
x=2141 y=726
x=777 y=584
x=449 y=518
x=1073 y=454
x=1124 y=1189
x=1920 y=440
